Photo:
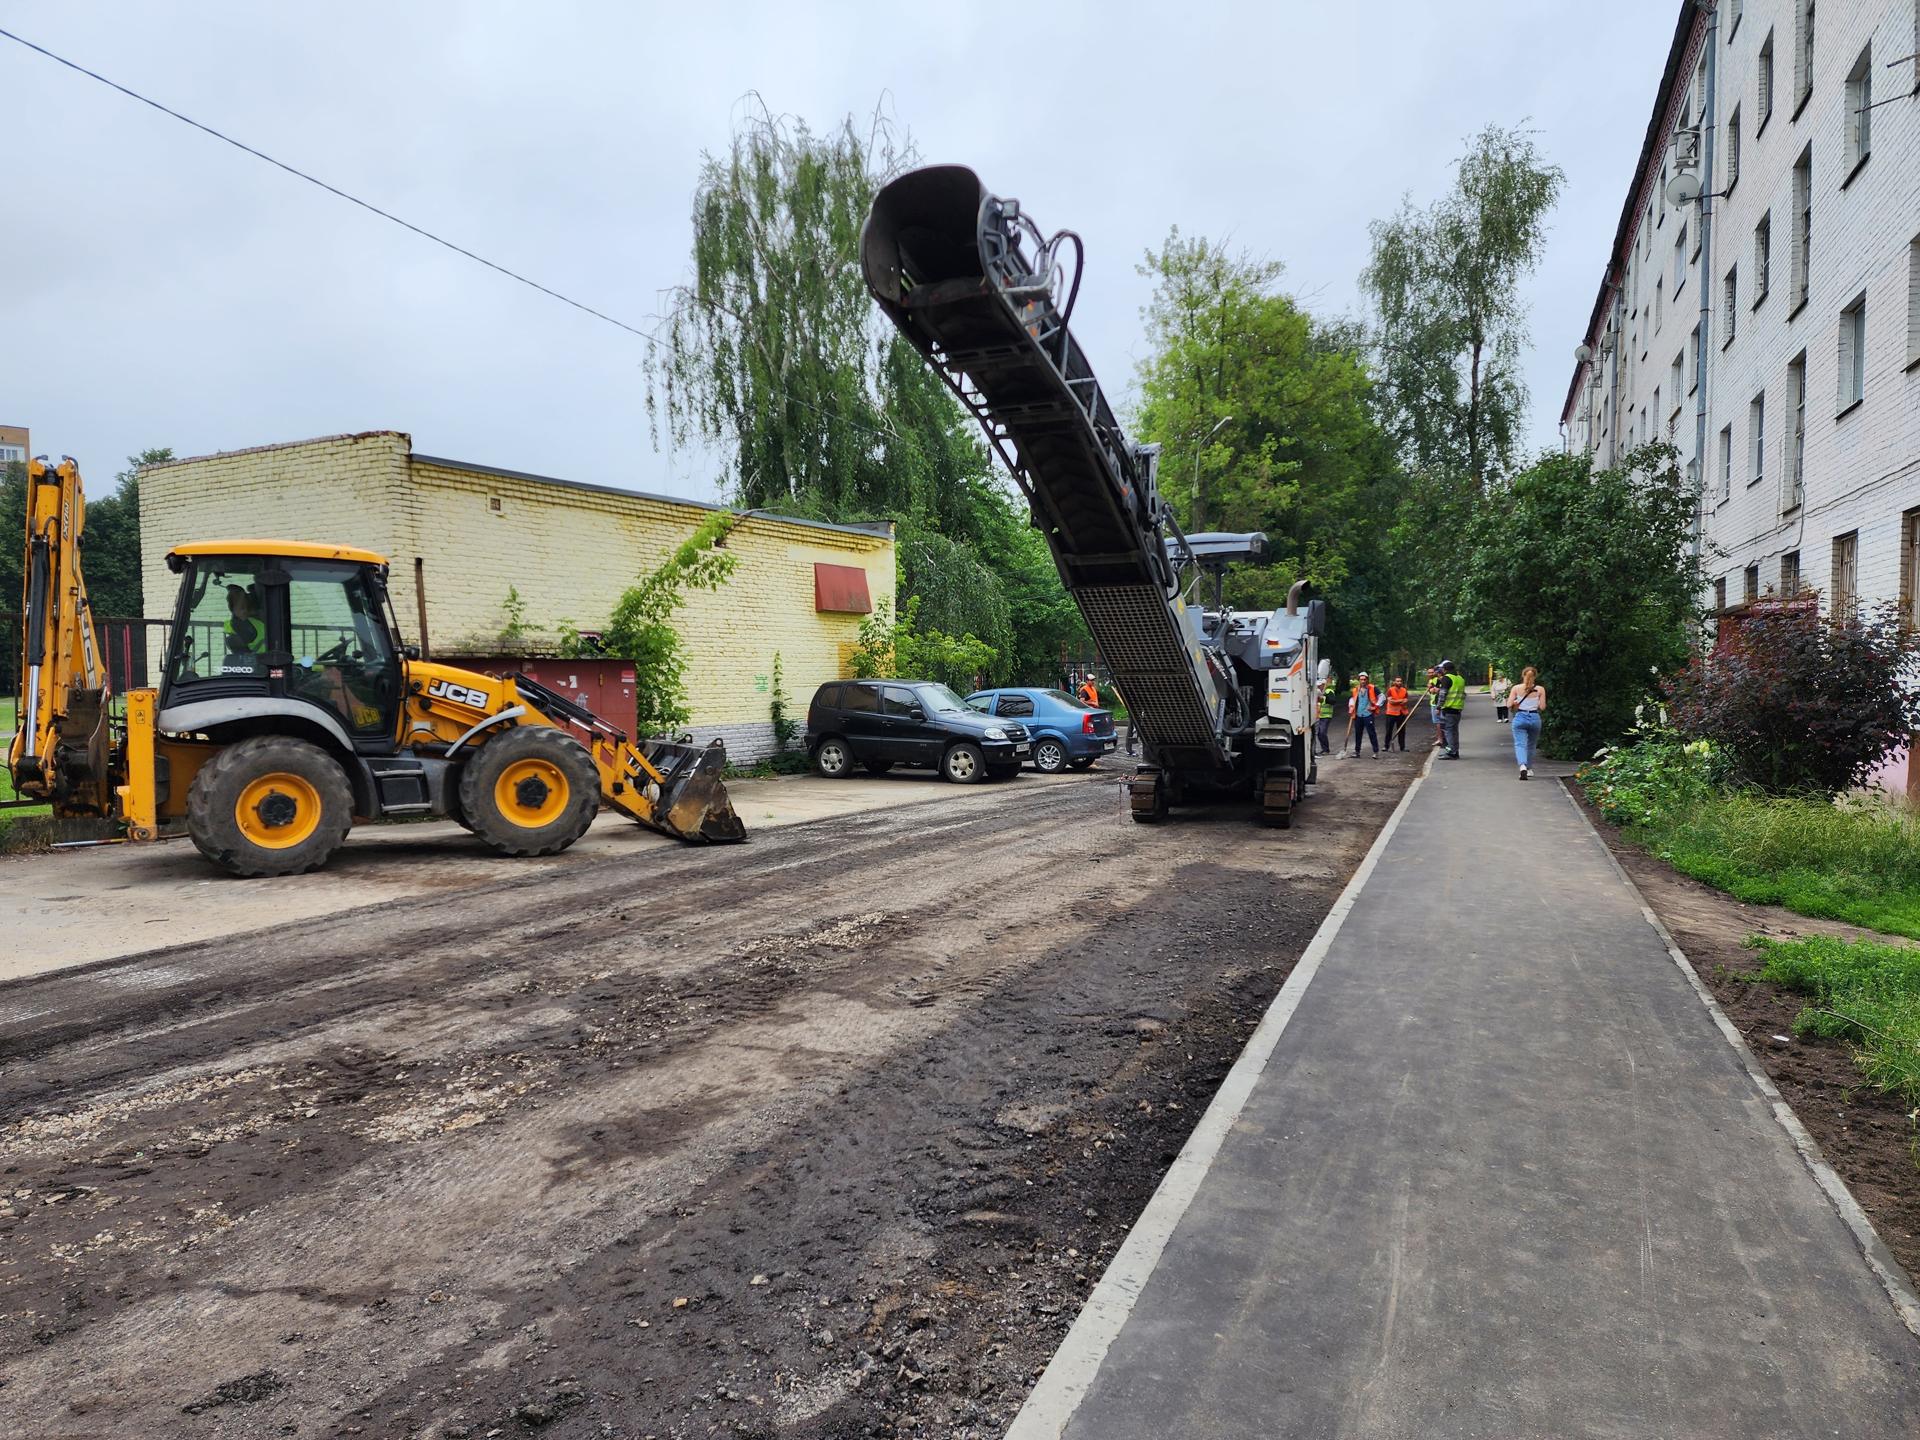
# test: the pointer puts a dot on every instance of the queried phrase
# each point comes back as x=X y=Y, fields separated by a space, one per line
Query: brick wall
x=569 y=550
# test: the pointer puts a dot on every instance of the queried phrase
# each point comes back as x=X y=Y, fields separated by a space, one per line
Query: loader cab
x=266 y=627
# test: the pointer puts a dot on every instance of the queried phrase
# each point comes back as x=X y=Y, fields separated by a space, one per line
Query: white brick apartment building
x=1771 y=328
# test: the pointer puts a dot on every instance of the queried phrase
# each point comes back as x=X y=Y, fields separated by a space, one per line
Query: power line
x=330 y=189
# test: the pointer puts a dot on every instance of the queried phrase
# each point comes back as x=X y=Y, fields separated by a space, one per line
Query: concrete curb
x=1872 y=1248
x=1070 y=1374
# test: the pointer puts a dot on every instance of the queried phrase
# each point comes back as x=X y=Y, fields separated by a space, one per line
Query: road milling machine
x=1224 y=701
x=289 y=710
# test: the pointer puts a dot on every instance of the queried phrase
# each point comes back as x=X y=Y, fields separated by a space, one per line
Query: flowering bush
x=1798 y=701
x=1654 y=773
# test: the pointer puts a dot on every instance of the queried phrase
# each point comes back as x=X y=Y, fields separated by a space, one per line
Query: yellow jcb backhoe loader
x=288 y=710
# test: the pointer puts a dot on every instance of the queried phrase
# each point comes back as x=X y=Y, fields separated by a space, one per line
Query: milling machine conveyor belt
x=971 y=283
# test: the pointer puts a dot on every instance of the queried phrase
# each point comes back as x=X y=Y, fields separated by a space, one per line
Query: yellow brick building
x=463 y=533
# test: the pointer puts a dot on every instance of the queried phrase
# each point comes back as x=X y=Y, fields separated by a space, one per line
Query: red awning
x=842 y=588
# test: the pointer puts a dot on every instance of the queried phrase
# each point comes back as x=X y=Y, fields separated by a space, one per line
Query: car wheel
x=1085 y=762
x=877 y=767
x=1049 y=755
x=963 y=764
x=832 y=759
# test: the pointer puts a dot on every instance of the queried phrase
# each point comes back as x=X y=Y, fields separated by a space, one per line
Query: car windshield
x=940 y=698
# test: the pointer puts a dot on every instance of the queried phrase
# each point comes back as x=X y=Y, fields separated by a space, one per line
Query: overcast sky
x=160 y=288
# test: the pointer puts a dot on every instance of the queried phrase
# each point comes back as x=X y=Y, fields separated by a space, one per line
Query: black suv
x=884 y=723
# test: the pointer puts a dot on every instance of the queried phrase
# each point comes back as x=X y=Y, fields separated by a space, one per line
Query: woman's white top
x=1532 y=701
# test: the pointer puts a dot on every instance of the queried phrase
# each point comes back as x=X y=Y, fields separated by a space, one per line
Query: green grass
x=1857 y=862
x=1863 y=992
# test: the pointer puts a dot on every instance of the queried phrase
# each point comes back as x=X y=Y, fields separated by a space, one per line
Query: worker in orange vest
x=1090 y=693
x=1399 y=710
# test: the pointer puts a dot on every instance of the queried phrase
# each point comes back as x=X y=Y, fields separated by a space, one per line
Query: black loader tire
x=964 y=763
x=298 y=807
x=532 y=791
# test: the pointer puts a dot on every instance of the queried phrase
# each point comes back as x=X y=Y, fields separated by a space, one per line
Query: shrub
x=780 y=711
x=890 y=648
x=1639 y=783
x=1798 y=701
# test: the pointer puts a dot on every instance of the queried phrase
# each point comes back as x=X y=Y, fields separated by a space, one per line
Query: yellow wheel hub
x=531 y=793
x=278 y=811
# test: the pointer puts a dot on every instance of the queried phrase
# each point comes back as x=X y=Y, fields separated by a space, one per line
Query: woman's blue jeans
x=1526 y=736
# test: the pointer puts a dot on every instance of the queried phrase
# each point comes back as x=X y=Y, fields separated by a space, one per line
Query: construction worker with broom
x=1399 y=708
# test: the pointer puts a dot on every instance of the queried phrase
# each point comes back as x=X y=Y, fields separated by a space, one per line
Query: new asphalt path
x=1491 y=1166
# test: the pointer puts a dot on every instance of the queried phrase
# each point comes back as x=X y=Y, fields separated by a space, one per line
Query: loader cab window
x=343 y=651
x=221 y=630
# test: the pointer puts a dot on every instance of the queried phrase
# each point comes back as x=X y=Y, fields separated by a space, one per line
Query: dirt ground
x=825 y=1136
x=1867 y=1136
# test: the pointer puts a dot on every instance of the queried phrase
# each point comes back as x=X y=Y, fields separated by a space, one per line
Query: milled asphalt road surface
x=825 y=1135
x=1502 y=1177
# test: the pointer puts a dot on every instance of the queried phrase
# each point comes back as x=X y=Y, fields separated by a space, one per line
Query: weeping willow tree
x=773 y=354
x=768 y=349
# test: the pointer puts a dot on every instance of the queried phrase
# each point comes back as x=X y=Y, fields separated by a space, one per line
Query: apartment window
x=1796 y=487
x=1750 y=583
x=1730 y=305
x=1659 y=302
x=1763 y=89
x=1757 y=439
x=1654 y=421
x=1699 y=361
x=1720 y=593
x=1846 y=563
x=1726 y=462
x=1735 y=9
x=1678 y=379
x=1913 y=296
x=1662 y=192
x=1802 y=226
x=12 y=455
x=1860 y=112
x=1733 y=149
x=1762 y=257
x=1790 y=574
x=1853 y=355
x=1680 y=261
x=1910 y=569
x=1802 y=54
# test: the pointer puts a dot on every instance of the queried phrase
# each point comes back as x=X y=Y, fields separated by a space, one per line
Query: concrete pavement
x=71 y=907
x=1490 y=1168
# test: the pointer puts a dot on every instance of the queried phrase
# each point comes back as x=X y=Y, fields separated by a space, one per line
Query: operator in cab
x=246 y=632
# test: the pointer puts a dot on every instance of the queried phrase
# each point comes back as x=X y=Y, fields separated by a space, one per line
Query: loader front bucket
x=691 y=802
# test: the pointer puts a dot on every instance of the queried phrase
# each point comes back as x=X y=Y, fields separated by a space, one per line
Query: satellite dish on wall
x=1683 y=188
x=1582 y=354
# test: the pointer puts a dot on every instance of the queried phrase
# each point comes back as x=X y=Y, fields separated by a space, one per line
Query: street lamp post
x=1199 y=507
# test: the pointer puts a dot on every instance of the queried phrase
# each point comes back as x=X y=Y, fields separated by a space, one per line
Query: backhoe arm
x=60 y=752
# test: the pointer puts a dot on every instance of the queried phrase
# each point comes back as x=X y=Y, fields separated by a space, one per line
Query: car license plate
x=1020 y=751
x=1108 y=744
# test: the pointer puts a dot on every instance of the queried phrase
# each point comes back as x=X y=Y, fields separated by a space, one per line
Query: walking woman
x=1526 y=702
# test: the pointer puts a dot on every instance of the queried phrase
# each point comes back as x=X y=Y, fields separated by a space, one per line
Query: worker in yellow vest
x=1453 y=701
x=1324 y=720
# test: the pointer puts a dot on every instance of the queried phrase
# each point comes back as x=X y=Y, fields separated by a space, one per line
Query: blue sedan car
x=1065 y=733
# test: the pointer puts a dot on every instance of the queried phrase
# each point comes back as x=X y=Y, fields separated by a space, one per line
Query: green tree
x=768 y=349
x=1590 y=576
x=642 y=629
x=1263 y=417
x=897 y=647
x=773 y=352
x=1449 y=332
x=114 y=579
x=1451 y=326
